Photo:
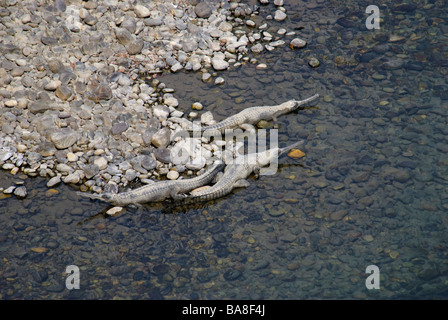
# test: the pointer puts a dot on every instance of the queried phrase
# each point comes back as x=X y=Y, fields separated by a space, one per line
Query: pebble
x=20 y=192
x=172 y=175
x=142 y=11
x=338 y=215
x=54 y=181
x=279 y=15
x=101 y=162
x=219 y=64
x=11 y=103
x=257 y=48
x=64 y=138
x=197 y=106
x=313 y=62
x=203 y=10
x=296 y=154
x=219 y=81
x=113 y=211
x=161 y=138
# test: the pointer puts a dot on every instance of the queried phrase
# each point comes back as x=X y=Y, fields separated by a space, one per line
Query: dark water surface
x=371 y=190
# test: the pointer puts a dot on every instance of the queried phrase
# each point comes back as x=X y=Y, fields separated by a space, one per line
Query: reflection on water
x=371 y=190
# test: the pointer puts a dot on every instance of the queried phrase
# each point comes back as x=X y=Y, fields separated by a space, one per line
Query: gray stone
x=257 y=48
x=153 y=22
x=49 y=41
x=64 y=138
x=177 y=67
x=298 y=43
x=219 y=81
x=62 y=167
x=161 y=138
x=393 y=64
x=123 y=36
x=147 y=136
x=91 y=170
x=172 y=175
x=142 y=11
x=219 y=64
x=90 y=20
x=206 y=77
x=313 y=62
x=101 y=92
x=135 y=46
x=189 y=45
x=203 y=10
x=60 y=5
x=279 y=15
x=130 y=174
x=20 y=192
x=72 y=178
x=55 y=65
x=161 y=112
x=163 y=155
x=119 y=128
x=129 y=24
x=63 y=92
x=101 y=162
x=54 y=181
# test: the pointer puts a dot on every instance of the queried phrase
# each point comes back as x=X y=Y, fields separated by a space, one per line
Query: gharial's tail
x=92 y=196
x=290 y=147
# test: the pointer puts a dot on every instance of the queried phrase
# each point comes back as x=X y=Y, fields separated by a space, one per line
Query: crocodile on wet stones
x=159 y=191
x=253 y=115
x=236 y=172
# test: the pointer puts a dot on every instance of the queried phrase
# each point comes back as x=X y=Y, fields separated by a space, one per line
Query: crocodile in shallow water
x=253 y=115
x=160 y=190
x=235 y=174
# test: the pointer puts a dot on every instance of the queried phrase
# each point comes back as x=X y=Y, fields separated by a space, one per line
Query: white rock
x=298 y=43
x=71 y=157
x=171 y=102
x=176 y=67
x=225 y=27
x=114 y=210
x=219 y=64
x=72 y=178
x=197 y=106
x=172 y=175
x=279 y=15
x=219 y=80
x=52 y=85
x=101 y=162
x=11 y=103
x=142 y=11
x=54 y=181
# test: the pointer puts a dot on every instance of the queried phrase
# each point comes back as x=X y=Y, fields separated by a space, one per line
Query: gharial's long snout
x=290 y=147
x=299 y=103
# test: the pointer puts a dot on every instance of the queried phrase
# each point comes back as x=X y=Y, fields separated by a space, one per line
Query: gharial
x=247 y=117
x=160 y=190
x=235 y=173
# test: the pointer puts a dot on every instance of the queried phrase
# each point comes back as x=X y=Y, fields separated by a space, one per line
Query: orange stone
x=296 y=154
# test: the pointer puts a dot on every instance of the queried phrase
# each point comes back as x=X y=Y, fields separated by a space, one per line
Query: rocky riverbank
x=79 y=96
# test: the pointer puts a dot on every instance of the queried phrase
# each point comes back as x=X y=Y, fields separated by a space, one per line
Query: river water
x=372 y=189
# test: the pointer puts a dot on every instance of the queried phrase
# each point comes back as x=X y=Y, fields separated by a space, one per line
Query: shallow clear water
x=371 y=190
